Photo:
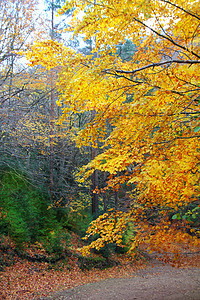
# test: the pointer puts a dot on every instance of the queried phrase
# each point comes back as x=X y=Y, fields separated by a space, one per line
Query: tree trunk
x=104 y=194
x=116 y=200
x=95 y=196
x=52 y=108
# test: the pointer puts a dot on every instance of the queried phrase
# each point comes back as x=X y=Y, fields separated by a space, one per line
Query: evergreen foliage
x=25 y=216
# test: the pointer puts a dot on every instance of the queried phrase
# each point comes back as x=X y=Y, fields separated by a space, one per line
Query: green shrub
x=56 y=242
x=87 y=263
x=77 y=221
x=24 y=213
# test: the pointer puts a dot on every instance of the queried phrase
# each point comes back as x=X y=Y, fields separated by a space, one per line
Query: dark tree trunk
x=95 y=196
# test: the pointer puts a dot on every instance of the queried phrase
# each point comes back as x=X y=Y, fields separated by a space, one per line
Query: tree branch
x=177 y=138
x=165 y=37
x=153 y=65
x=186 y=11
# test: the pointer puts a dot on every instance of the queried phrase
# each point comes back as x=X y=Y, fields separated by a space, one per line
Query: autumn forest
x=99 y=133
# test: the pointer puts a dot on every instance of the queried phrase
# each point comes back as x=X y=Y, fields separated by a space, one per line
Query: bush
x=56 y=242
x=87 y=263
x=24 y=214
x=77 y=221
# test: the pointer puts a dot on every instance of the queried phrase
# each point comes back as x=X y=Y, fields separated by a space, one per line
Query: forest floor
x=162 y=282
x=34 y=280
x=151 y=278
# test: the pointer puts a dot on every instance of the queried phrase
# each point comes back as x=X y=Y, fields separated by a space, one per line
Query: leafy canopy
x=146 y=111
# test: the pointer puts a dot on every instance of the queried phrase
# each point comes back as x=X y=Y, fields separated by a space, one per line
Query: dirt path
x=162 y=282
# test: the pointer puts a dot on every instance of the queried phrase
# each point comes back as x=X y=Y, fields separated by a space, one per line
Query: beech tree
x=151 y=103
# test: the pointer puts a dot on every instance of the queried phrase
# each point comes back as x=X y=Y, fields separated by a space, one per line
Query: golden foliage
x=150 y=102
